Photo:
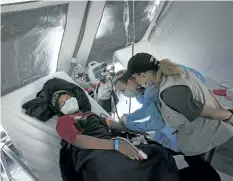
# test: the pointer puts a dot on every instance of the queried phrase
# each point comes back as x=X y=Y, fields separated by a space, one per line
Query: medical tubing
x=130 y=100
x=126 y=19
x=82 y=31
x=113 y=100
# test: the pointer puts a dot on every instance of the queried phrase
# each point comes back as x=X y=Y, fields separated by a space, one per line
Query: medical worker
x=164 y=135
x=185 y=103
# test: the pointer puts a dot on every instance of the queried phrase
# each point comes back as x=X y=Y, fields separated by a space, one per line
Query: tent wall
x=197 y=34
x=39 y=38
x=30 y=43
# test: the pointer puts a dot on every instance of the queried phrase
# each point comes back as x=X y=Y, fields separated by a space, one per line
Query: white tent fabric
x=197 y=34
x=38 y=141
x=123 y=55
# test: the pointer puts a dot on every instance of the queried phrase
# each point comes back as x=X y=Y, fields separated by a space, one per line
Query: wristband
x=116 y=144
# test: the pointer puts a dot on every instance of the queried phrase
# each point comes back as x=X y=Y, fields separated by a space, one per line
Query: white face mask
x=129 y=94
x=70 y=106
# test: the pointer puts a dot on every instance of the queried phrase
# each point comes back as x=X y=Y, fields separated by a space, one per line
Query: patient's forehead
x=62 y=98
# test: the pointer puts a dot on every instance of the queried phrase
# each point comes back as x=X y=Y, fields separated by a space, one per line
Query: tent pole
x=130 y=101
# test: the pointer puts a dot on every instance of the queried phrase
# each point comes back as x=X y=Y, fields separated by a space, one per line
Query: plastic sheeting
x=111 y=35
x=197 y=34
x=30 y=44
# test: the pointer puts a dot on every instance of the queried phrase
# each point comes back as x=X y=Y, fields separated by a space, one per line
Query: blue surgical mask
x=151 y=92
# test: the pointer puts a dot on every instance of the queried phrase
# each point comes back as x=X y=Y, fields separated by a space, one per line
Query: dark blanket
x=105 y=165
x=41 y=108
x=102 y=165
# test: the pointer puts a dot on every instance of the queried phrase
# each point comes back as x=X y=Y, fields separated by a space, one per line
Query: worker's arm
x=153 y=120
x=138 y=114
x=116 y=125
x=216 y=114
x=180 y=99
x=113 y=125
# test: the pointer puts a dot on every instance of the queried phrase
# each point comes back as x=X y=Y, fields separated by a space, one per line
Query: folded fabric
x=41 y=107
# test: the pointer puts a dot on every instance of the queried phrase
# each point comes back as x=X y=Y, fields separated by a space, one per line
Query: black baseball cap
x=141 y=62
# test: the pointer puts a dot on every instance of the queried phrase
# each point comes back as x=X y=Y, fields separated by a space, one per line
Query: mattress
x=38 y=141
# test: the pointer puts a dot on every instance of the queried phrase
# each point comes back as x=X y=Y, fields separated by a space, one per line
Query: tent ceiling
x=111 y=34
x=5 y=2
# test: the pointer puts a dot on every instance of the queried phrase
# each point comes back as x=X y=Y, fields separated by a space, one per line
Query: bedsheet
x=38 y=141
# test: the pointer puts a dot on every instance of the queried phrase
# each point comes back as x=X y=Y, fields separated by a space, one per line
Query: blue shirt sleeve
x=195 y=72
x=154 y=121
x=140 y=113
x=140 y=98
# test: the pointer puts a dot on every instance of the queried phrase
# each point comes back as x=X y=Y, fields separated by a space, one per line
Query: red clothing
x=66 y=128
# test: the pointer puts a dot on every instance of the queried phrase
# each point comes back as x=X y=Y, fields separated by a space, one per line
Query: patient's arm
x=89 y=142
x=67 y=131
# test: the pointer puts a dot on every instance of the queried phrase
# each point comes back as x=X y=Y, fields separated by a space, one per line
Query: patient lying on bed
x=88 y=152
x=66 y=104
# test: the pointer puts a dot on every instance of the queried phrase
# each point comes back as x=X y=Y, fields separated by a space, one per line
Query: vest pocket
x=186 y=128
x=177 y=121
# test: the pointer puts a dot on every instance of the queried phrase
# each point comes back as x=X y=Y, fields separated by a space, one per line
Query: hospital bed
x=37 y=141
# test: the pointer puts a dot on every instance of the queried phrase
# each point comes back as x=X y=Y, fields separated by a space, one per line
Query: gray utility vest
x=202 y=134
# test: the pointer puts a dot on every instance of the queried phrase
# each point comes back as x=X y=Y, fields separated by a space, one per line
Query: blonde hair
x=167 y=68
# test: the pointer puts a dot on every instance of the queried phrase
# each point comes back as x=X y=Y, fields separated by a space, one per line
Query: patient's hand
x=129 y=151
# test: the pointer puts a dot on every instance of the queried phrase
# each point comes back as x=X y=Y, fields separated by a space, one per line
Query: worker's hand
x=129 y=151
x=123 y=120
x=231 y=119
